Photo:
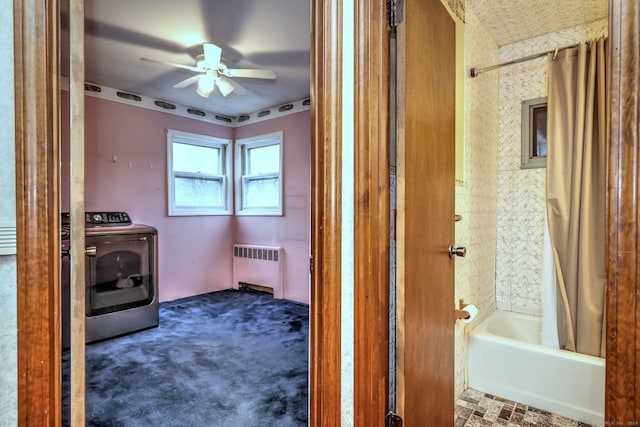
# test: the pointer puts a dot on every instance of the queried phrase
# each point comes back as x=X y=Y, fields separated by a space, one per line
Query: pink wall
x=291 y=231
x=194 y=251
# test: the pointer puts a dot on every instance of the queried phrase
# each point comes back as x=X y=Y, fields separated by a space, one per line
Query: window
x=259 y=175
x=534 y=133
x=198 y=179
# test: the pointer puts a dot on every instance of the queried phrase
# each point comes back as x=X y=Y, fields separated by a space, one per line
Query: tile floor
x=475 y=408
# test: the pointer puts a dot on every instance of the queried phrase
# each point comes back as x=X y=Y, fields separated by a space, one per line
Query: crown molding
x=129 y=98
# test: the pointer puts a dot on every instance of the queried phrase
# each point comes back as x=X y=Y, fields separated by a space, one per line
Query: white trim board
x=123 y=97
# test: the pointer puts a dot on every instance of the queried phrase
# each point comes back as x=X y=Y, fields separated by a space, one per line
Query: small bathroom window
x=534 y=133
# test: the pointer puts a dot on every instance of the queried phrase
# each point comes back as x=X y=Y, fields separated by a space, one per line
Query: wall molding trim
x=7 y=238
x=622 y=389
x=129 y=98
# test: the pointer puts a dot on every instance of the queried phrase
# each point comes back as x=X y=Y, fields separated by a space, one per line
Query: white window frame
x=176 y=136
x=241 y=145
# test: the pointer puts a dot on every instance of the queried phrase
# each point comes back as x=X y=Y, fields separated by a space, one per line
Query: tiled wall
x=521 y=192
x=476 y=200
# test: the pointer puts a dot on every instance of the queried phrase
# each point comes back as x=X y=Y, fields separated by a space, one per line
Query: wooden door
x=425 y=228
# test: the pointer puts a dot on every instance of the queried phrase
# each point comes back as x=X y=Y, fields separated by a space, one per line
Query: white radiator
x=259 y=266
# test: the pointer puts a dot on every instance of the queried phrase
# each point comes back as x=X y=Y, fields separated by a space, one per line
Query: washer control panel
x=106 y=219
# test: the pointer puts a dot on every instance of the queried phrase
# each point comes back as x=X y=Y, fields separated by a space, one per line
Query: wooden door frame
x=37 y=211
x=326 y=216
x=371 y=213
x=37 y=207
x=36 y=26
x=623 y=273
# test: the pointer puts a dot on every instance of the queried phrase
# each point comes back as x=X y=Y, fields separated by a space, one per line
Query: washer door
x=120 y=274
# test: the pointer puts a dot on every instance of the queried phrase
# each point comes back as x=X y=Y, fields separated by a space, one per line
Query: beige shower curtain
x=576 y=162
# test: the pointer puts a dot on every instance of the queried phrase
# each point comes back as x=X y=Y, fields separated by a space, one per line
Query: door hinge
x=396 y=12
x=393 y=420
x=310 y=265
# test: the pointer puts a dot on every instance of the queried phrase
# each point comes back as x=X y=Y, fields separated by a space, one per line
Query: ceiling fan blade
x=172 y=64
x=212 y=55
x=187 y=82
x=238 y=89
x=250 y=73
x=224 y=86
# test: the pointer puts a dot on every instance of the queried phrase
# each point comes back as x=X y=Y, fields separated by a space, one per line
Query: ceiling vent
x=92 y=88
x=129 y=96
x=223 y=119
x=196 y=112
x=165 y=105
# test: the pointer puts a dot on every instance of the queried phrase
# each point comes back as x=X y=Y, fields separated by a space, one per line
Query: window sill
x=259 y=212
x=199 y=212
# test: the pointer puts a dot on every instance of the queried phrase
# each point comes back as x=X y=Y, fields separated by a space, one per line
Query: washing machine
x=121 y=282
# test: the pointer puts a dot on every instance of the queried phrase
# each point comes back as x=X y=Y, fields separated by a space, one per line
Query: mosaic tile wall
x=521 y=192
x=476 y=200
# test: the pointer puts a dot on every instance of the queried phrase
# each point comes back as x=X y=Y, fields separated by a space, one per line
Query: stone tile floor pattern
x=475 y=408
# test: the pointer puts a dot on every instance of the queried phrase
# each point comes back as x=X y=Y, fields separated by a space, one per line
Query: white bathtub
x=506 y=359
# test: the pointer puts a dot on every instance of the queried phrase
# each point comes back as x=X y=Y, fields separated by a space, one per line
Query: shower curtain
x=576 y=167
x=549 y=329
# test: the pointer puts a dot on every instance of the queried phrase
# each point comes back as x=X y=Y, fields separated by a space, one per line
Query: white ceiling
x=510 y=21
x=272 y=34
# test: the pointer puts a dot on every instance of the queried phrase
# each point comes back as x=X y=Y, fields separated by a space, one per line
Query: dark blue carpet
x=229 y=358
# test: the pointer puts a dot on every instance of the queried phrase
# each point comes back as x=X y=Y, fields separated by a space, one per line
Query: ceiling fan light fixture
x=211 y=71
x=200 y=61
x=224 y=86
x=206 y=84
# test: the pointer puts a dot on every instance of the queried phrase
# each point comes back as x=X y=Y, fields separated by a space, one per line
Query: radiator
x=260 y=266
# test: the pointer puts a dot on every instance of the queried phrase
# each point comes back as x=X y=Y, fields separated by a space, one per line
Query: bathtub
x=506 y=359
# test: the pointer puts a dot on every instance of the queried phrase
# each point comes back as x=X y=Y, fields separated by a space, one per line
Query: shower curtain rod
x=473 y=72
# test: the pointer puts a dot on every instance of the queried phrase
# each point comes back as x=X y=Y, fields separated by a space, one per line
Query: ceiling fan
x=213 y=72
